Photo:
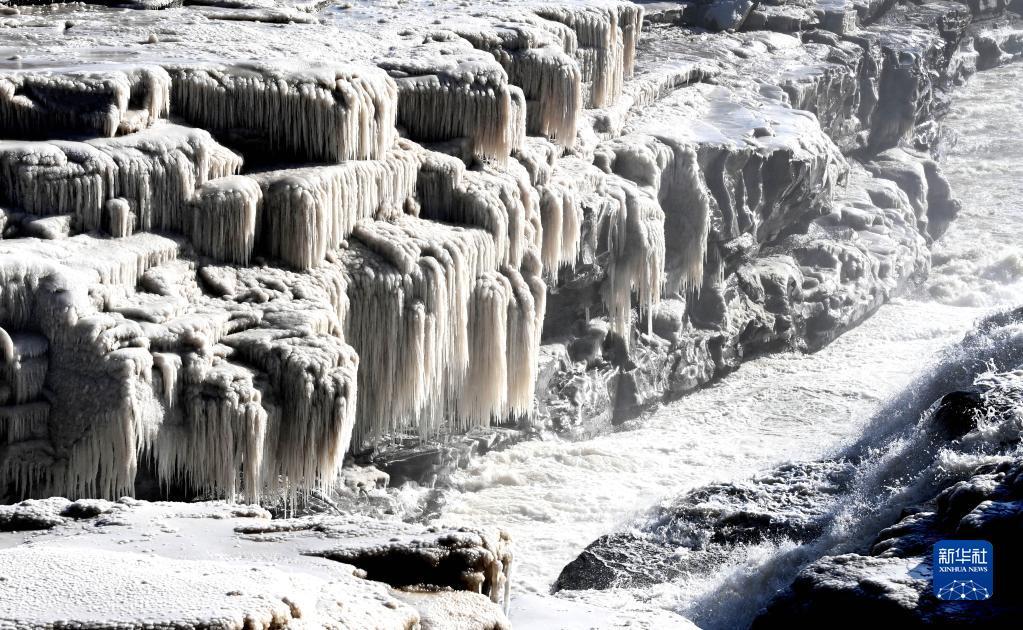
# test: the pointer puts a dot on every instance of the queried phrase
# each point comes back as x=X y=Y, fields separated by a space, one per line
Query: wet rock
x=862 y=590
x=957 y=413
x=464 y=559
x=699 y=528
x=891 y=581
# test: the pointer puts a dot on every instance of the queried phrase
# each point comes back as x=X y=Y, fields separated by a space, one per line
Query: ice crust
x=135 y=564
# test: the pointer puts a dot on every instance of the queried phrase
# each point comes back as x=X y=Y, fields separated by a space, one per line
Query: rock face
x=224 y=270
x=793 y=502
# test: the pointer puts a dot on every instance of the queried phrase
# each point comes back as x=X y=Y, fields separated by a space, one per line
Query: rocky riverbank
x=976 y=496
x=854 y=533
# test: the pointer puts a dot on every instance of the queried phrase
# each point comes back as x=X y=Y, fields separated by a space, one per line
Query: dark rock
x=701 y=527
x=956 y=414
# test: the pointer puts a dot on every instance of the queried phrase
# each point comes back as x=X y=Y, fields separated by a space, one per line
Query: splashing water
x=979 y=262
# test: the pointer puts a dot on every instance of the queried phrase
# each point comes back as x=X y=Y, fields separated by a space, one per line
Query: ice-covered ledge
x=227 y=356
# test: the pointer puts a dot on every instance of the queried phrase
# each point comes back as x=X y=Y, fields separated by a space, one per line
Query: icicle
x=20 y=423
x=315 y=381
x=486 y=388
x=156 y=171
x=649 y=316
x=552 y=204
x=669 y=170
x=686 y=203
x=104 y=459
x=46 y=178
x=447 y=91
x=25 y=364
x=607 y=35
x=562 y=225
x=224 y=218
x=224 y=435
x=169 y=365
x=85 y=102
x=500 y=201
x=319 y=113
x=415 y=279
x=120 y=219
x=525 y=323
x=307 y=211
x=635 y=240
x=536 y=62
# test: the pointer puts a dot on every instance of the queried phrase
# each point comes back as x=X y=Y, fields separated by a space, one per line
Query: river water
x=555 y=497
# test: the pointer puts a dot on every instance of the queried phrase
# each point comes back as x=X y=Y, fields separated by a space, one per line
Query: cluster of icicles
x=281 y=316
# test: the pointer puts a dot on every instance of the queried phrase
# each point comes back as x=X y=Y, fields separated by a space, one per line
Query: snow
x=103 y=589
x=136 y=564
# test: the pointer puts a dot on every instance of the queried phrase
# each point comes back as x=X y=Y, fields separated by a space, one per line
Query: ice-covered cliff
x=244 y=239
x=241 y=239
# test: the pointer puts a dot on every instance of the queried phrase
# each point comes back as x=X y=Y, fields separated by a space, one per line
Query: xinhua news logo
x=964 y=570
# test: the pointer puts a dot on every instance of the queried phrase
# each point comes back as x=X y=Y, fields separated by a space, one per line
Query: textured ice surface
x=137 y=564
x=235 y=379
x=98 y=589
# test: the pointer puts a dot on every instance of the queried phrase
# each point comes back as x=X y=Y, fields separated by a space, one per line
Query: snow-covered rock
x=103 y=589
x=136 y=564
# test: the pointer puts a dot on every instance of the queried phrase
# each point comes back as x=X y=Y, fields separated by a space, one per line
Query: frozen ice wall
x=222 y=268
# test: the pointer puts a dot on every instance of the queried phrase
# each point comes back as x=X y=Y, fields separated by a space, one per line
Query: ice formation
x=156 y=171
x=261 y=236
x=313 y=114
x=306 y=212
x=224 y=218
x=103 y=103
x=207 y=372
x=62 y=564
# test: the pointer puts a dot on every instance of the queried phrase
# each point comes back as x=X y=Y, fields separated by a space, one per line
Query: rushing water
x=555 y=497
